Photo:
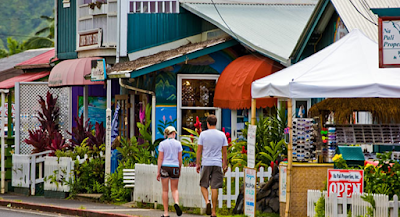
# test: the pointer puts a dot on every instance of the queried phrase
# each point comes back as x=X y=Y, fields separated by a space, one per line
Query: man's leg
x=204 y=191
x=214 y=199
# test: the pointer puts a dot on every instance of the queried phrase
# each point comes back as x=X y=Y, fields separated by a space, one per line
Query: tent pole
x=253 y=111
x=290 y=159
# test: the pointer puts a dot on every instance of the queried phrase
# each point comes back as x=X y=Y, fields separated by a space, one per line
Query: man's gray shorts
x=211 y=175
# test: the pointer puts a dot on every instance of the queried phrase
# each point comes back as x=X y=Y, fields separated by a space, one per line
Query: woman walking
x=169 y=167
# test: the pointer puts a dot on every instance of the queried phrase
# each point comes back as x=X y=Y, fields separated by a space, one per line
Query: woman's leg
x=165 y=190
x=174 y=190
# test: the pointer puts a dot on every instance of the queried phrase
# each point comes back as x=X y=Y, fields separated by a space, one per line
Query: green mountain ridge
x=21 y=18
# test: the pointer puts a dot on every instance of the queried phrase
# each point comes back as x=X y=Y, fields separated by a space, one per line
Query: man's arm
x=198 y=157
x=224 y=158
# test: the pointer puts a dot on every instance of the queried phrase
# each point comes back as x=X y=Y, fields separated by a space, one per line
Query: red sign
x=345 y=182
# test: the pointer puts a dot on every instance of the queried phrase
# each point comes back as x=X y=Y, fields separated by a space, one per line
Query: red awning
x=27 y=77
x=72 y=72
x=233 y=90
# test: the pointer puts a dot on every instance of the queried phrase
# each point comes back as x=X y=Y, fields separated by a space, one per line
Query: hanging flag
x=114 y=124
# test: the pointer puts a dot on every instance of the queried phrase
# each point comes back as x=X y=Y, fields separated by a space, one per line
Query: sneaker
x=208 y=209
x=178 y=210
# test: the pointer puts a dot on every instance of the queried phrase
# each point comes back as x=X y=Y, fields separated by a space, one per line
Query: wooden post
x=290 y=158
x=253 y=111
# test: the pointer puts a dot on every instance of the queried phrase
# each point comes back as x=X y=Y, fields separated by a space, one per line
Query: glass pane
x=198 y=93
x=189 y=118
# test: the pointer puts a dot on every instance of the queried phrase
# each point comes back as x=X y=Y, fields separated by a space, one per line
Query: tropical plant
x=47 y=136
x=370 y=199
x=97 y=137
x=81 y=130
x=38 y=41
x=190 y=141
x=272 y=152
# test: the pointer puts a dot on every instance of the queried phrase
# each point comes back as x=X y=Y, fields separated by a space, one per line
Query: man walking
x=211 y=143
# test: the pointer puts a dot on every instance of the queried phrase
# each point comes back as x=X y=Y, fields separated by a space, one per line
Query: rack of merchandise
x=304 y=135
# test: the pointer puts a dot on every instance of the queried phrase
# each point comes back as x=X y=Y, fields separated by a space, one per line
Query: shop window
x=196 y=99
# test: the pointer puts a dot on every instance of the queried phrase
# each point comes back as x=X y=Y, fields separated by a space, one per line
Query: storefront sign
x=98 y=70
x=345 y=182
x=282 y=184
x=90 y=38
x=251 y=146
x=250 y=179
x=389 y=42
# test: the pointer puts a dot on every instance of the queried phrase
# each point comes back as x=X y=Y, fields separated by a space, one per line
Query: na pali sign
x=345 y=182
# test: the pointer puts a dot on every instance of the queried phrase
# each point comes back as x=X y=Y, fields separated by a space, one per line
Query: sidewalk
x=79 y=208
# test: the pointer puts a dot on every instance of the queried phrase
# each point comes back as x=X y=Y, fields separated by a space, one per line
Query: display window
x=195 y=99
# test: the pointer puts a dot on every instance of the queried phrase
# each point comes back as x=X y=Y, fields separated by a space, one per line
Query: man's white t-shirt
x=212 y=141
x=171 y=149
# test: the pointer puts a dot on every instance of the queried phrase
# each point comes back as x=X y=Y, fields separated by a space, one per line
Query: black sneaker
x=178 y=210
x=208 y=209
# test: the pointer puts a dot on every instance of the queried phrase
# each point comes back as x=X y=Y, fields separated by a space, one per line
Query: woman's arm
x=160 y=160
x=180 y=159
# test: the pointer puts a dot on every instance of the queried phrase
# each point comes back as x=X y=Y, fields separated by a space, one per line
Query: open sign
x=345 y=182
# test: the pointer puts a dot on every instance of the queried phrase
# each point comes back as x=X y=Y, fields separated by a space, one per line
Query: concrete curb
x=61 y=210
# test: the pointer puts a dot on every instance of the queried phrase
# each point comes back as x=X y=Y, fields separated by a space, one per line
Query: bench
x=129 y=178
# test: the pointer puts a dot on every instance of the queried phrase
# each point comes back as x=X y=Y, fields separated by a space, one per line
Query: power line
x=215 y=6
x=362 y=14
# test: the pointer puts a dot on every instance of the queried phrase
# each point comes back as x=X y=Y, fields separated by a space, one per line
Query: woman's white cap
x=168 y=130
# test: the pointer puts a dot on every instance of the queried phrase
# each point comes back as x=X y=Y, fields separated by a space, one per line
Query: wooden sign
x=250 y=181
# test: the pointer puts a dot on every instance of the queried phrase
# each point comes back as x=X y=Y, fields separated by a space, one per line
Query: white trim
x=179 y=98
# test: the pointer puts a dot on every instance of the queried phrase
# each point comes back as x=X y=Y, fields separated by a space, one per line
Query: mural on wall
x=97 y=106
x=166 y=88
x=165 y=116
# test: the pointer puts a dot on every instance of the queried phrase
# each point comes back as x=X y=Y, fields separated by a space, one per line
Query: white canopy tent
x=348 y=68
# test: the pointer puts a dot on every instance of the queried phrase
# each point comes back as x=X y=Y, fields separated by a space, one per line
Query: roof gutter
x=153 y=106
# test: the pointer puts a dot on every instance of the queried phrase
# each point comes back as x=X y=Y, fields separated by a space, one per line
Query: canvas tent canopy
x=347 y=68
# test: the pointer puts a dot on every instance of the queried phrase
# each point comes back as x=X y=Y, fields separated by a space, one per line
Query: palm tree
x=38 y=41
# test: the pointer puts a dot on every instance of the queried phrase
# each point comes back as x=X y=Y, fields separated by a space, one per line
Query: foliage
x=80 y=131
x=98 y=136
x=21 y=18
x=370 y=199
x=339 y=162
x=320 y=207
x=190 y=141
x=47 y=136
x=383 y=178
x=270 y=145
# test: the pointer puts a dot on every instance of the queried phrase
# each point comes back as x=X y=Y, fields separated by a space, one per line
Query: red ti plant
x=228 y=136
x=99 y=136
x=47 y=137
x=81 y=131
x=197 y=125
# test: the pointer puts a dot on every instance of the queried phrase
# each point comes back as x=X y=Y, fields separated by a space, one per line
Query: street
x=11 y=212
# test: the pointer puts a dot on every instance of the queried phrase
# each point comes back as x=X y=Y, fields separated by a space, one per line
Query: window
x=195 y=99
x=154 y=6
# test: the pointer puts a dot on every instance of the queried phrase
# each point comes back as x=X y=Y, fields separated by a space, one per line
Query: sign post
x=250 y=181
x=345 y=182
x=108 y=143
x=251 y=146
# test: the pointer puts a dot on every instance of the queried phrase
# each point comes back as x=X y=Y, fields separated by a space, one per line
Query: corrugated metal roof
x=272 y=30
x=11 y=61
x=39 y=61
x=356 y=14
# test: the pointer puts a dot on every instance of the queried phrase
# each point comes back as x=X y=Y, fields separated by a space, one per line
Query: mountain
x=20 y=19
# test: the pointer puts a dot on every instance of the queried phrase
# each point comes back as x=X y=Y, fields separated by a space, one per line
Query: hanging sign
x=250 y=178
x=98 y=70
x=389 y=42
x=251 y=146
x=345 y=182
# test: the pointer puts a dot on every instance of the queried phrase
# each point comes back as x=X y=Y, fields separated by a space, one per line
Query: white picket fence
x=335 y=206
x=148 y=189
x=24 y=170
